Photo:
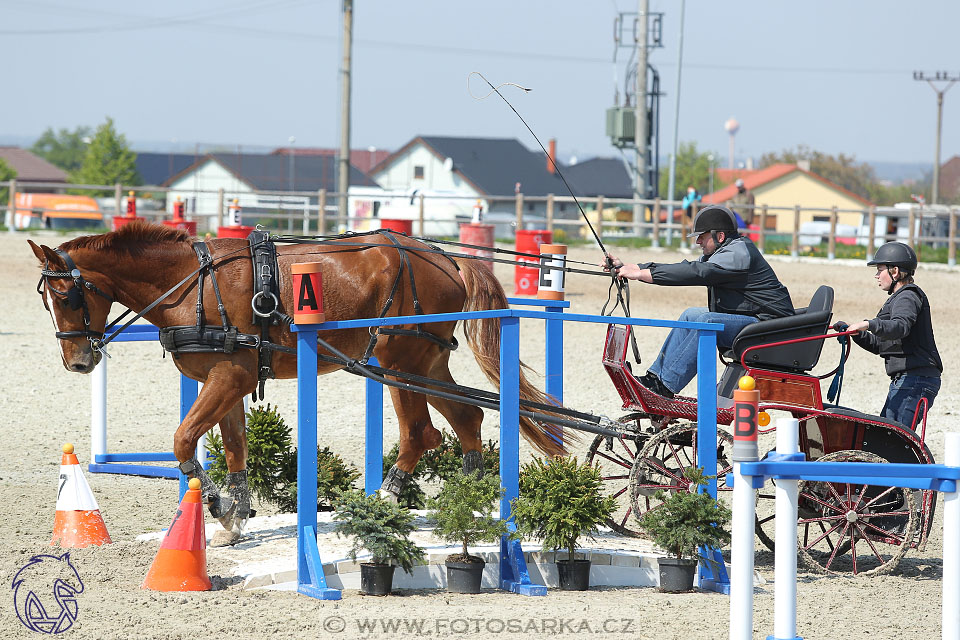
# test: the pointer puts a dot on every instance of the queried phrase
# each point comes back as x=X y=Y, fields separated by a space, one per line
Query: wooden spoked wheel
x=854 y=529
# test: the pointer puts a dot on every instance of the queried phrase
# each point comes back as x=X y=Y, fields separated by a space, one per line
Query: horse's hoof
x=224 y=538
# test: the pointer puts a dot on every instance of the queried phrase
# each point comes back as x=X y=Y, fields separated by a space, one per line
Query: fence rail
x=662 y=221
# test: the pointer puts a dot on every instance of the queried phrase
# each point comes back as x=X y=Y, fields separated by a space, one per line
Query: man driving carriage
x=741 y=288
x=902 y=334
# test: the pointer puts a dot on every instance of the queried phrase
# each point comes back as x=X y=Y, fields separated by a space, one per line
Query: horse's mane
x=129 y=237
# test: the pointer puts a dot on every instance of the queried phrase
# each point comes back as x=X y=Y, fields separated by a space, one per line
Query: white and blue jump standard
x=788 y=467
x=130 y=463
x=513 y=571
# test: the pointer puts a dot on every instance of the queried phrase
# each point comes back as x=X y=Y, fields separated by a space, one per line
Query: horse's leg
x=465 y=419
x=236 y=511
x=221 y=395
x=417 y=434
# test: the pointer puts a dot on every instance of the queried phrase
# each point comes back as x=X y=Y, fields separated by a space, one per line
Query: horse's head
x=77 y=306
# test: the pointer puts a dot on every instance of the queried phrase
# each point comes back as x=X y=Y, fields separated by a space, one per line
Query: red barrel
x=240 y=231
x=480 y=235
x=403 y=226
x=525 y=279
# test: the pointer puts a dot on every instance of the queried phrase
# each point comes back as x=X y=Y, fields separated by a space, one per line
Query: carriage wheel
x=615 y=456
x=857 y=529
x=663 y=460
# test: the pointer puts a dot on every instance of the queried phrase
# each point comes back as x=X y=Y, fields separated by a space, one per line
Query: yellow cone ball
x=747 y=383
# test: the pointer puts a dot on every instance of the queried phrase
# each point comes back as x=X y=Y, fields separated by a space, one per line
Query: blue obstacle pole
x=310 y=578
x=373 y=451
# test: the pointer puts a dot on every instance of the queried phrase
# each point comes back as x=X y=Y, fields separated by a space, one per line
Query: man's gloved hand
x=840 y=326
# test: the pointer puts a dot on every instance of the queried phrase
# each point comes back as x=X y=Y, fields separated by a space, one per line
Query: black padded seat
x=812 y=320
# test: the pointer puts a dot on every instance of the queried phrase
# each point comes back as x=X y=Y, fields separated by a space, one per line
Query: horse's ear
x=37 y=251
x=47 y=255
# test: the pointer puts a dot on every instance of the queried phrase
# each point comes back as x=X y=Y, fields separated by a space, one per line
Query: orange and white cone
x=181 y=562
x=78 y=522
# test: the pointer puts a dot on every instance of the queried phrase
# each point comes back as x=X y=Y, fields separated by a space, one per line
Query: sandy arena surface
x=44 y=406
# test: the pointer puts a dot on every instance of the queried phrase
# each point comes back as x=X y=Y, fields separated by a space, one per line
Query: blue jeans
x=905 y=392
x=677 y=363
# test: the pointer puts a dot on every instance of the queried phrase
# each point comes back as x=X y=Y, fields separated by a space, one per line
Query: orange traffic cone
x=181 y=562
x=78 y=522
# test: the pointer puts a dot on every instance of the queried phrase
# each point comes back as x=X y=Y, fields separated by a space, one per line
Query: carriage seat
x=814 y=319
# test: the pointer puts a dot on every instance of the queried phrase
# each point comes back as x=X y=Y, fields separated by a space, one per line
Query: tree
x=108 y=161
x=692 y=170
x=64 y=149
x=6 y=173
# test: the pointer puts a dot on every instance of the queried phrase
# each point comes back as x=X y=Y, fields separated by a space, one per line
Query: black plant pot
x=676 y=574
x=376 y=579
x=574 y=574
x=465 y=577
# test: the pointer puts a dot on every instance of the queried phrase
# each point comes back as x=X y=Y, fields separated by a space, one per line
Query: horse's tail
x=484 y=293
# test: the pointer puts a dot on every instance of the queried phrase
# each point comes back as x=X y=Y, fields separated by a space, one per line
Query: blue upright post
x=188 y=395
x=513 y=567
x=310 y=578
x=554 y=355
x=713 y=574
x=373 y=460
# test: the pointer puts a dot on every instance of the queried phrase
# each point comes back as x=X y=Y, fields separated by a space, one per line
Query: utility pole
x=671 y=188
x=940 y=76
x=641 y=132
x=343 y=183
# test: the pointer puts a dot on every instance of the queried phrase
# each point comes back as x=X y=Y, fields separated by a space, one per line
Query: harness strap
x=266 y=299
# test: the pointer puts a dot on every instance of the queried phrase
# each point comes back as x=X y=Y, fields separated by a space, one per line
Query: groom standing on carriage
x=741 y=288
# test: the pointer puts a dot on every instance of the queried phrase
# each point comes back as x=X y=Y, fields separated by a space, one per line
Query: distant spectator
x=690 y=202
x=742 y=203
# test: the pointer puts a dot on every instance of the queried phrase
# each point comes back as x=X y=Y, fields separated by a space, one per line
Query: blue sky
x=836 y=76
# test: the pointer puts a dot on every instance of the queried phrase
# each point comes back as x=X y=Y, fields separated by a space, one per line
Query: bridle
x=74 y=296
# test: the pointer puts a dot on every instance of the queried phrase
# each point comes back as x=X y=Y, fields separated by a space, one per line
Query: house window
x=821 y=218
x=563 y=206
x=531 y=206
x=418 y=172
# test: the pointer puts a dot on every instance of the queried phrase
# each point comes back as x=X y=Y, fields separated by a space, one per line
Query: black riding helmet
x=896 y=254
x=712 y=219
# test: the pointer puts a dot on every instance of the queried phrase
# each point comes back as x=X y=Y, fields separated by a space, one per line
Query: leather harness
x=200 y=338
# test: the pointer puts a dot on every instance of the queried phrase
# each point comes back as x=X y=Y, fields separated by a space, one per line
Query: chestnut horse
x=139 y=263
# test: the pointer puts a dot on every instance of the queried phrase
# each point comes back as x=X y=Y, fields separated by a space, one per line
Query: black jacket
x=738 y=279
x=902 y=333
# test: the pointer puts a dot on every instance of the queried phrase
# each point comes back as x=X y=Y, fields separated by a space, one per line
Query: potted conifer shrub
x=559 y=502
x=383 y=529
x=463 y=514
x=682 y=523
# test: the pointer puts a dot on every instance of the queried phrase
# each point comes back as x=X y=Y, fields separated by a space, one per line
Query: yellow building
x=781 y=187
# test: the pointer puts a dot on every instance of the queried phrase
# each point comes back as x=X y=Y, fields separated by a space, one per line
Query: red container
x=403 y=226
x=120 y=221
x=241 y=232
x=526 y=279
x=480 y=235
x=190 y=226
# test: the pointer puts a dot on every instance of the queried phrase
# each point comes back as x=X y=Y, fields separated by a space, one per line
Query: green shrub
x=380 y=527
x=560 y=501
x=685 y=521
x=272 y=463
x=462 y=511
